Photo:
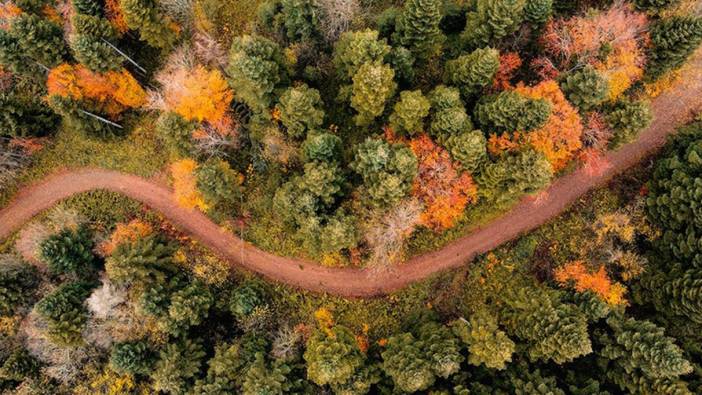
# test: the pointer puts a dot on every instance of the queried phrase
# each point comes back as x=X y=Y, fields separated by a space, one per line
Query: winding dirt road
x=670 y=109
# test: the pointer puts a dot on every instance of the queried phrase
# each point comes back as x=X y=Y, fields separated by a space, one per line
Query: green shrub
x=132 y=358
x=471 y=72
x=409 y=112
x=65 y=313
x=492 y=20
x=417 y=28
x=373 y=86
x=301 y=110
x=69 y=251
x=627 y=119
x=354 y=49
x=586 y=88
x=509 y=111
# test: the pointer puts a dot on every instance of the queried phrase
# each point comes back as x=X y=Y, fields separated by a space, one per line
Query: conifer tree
x=487 y=344
x=586 y=88
x=17 y=283
x=87 y=7
x=301 y=110
x=405 y=362
x=538 y=12
x=417 y=28
x=441 y=348
x=492 y=20
x=471 y=72
x=449 y=116
x=69 y=251
x=147 y=261
x=153 y=27
x=676 y=292
x=39 y=39
x=245 y=299
x=409 y=112
x=627 y=119
x=65 y=313
x=373 y=86
x=324 y=147
x=673 y=40
x=512 y=176
x=19 y=366
x=469 y=149
x=524 y=381
x=509 y=111
x=89 y=46
x=176 y=367
x=261 y=379
x=301 y=19
x=132 y=358
x=332 y=358
x=25 y=116
x=188 y=307
x=219 y=184
x=356 y=48
x=403 y=62
x=654 y=6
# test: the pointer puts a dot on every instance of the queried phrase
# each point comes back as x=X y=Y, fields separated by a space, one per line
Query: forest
x=352 y=135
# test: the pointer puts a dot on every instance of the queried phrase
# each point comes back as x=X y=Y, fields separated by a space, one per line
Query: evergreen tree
x=586 y=88
x=471 y=72
x=176 y=132
x=89 y=46
x=19 y=366
x=324 y=180
x=469 y=149
x=65 y=313
x=219 y=184
x=225 y=371
x=402 y=62
x=153 y=27
x=332 y=358
x=654 y=6
x=17 y=284
x=677 y=292
x=176 y=367
x=673 y=40
x=76 y=118
x=512 y=176
x=627 y=119
x=39 y=39
x=405 y=362
x=526 y=382
x=449 y=116
x=188 y=307
x=441 y=348
x=417 y=28
x=25 y=116
x=131 y=358
x=245 y=299
x=373 y=86
x=87 y=7
x=301 y=19
x=487 y=344
x=323 y=147
x=147 y=261
x=538 y=12
x=354 y=49
x=256 y=69
x=492 y=20
x=301 y=110
x=387 y=171
x=69 y=251
x=508 y=111
x=261 y=379
x=409 y=112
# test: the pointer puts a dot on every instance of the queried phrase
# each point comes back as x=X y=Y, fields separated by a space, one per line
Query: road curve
x=670 y=110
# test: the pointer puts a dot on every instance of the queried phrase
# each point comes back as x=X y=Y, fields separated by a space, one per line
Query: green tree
x=512 y=176
x=176 y=132
x=188 y=307
x=301 y=19
x=153 y=27
x=132 y=358
x=471 y=72
x=492 y=20
x=537 y=12
x=654 y=6
x=87 y=7
x=225 y=371
x=387 y=170
x=373 y=86
x=360 y=382
x=39 y=39
x=339 y=232
x=509 y=111
x=147 y=261
x=441 y=348
x=673 y=40
x=17 y=283
x=449 y=116
x=324 y=180
x=354 y=49
x=76 y=118
x=24 y=116
x=405 y=362
x=19 y=365
x=261 y=379
x=676 y=292
x=246 y=298
x=219 y=184
x=65 y=313
x=409 y=112
x=332 y=358
x=69 y=250
x=487 y=344
x=89 y=46
x=177 y=366
x=323 y=147
x=586 y=88
x=301 y=110
x=417 y=28
x=403 y=62
x=627 y=119
x=525 y=381
x=469 y=148
x=256 y=68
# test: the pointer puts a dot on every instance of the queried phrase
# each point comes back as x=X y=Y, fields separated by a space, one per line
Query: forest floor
x=671 y=109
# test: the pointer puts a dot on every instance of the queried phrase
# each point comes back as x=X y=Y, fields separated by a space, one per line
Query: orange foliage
x=113 y=12
x=497 y=145
x=597 y=282
x=30 y=145
x=559 y=138
x=185 y=185
x=129 y=232
x=8 y=11
x=52 y=14
x=198 y=94
x=544 y=68
x=439 y=186
x=113 y=92
x=509 y=63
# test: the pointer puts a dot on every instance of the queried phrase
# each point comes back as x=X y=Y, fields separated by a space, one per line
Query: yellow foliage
x=130 y=232
x=9 y=325
x=211 y=270
x=622 y=67
x=597 y=282
x=108 y=382
x=664 y=83
x=631 y=265
x=325 y=320
x=198 y=94
x=185 y=185
x=614 y=224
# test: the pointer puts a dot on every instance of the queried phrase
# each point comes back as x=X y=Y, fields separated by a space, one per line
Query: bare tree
x=337 y=17
x=385 y=234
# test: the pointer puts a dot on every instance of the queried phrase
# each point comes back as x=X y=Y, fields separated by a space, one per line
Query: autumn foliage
x=442 y=189
x=509 y=63
x=582 y=280
x=112 y=92
x=197 y=94
x=185 y=185
x=114 y=14
x=8 y=11
x=129 y=232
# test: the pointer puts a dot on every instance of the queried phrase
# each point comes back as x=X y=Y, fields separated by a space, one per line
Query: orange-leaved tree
x=442 y=189
x=185 y=185
x=577 y=275
x=509 y=63
x=125 y=233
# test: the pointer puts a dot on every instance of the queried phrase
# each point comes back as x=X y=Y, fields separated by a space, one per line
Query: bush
x=322 y=147
x=373 y=86
x=387 y=171
x=301 y=110
x=673 y=41
x=491 y=21
x=586 y=88
x=471 y=72
x=409 y=112
x=509 y=111
x=354 y=49
x=69 y=251
x=132 y=358
x=627 y=119
x=65 y=313
x=417 y=28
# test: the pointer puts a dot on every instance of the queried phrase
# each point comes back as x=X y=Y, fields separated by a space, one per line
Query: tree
x=586 y=88
x=177 y=133
x=65 y=313
x=654 y=6
x=177 y=365
x=17 y=284
x=509 y=111
x=525 y=381
x=597 y=282
x=403 y=62
x=677 y=292
x=512 y=176
x=256 y=68
x=157 y=30
x=332 y=358
x=245 y=299
x=301 y=110
x=39 y=39
x=673 y=40
x=492 y=20
x=627 y=119
x=324 y=180
x=188 y=307
x=69 y=251
x=323 y=147
x=24 y=116
x=449 y=115
x=301 y=19
x=373 y=86
x=87 y=7
x=405 y=362
x=225 y=371
x=88 y=42
x=132 y=358
x=19 y=365
x=471 y=72
x=409 y=112
x=387 y=170
x=417 y=28
x=441 y=348
x=261 y=379
x=469 y=149
x=487 y=344
x=147 y=261
x=354 y=49
x=219 y=184
x=538 y=12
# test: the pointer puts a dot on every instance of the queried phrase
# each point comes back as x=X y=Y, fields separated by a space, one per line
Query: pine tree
x=417 y=28
x=627 y=119
x=471 y=72
x=188 y=307
x=354 y=49
x=586 y=88
x=387 y=171
x=219 y=184
x=89 y=46
x=132 y=358
x=673 y=40
x=176 y=132
x=19 y=366
x=526 y=382
x=487 y=344
x=537 y=12
x=301 y=110
x=491 y=21
x=509 y=111
x=676 y=292
x=654 y=6
x=449 y=115
x=147 y=261
x=512 y=176
x=373 y=86
x=69 y=251
x=332 y=358
x=65 y=313
x=17 y=284
x=261 y=379
x=405 y=362
x=409 y=112
x=469 y=149
x=225 y=371
x=441 y=348
x=323 y=147
x=39 y=39
x=256 y=69
x=25 y=116
x=177 y=365
x=245 y=299
x=301 y=19
x=402 y=61
x=87 y=7
x=153 y=27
